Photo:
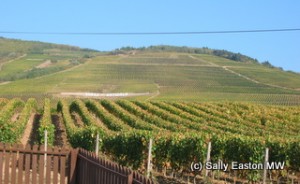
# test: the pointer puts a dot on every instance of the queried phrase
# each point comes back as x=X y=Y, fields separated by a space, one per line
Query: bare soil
x=61 y=139
x=28 y=129
x=77 y=119
x=30 y=135
x=15 y=117
x=33 y=137
x=99 y=122
x=3 y=83
x=44 y=64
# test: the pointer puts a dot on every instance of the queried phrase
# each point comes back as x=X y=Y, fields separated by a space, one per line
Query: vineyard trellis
x=180 y=131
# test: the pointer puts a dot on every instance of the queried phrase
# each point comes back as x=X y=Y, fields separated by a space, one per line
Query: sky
x=282 y=49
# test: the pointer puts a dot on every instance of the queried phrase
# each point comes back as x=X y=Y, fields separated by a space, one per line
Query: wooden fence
x=33 y=165
x=36 y=166
x=92 y=169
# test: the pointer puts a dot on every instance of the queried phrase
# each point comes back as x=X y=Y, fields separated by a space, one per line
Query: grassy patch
x=166 y=76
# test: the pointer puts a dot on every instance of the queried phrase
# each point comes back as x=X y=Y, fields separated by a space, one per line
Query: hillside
x=28 y=59
x=16 y=46
x=159 y=73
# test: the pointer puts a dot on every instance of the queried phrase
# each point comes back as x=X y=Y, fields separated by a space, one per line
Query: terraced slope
x=168 y=73
x=166 y=76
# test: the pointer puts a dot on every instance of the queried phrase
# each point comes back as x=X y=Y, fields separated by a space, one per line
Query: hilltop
x=158 y=72
x=10 y=48
x=29 y=59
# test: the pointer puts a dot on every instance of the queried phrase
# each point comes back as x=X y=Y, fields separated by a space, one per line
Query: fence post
x=73 y=163
x=265 y=165
x=207 y=158
x=130 y=177
x=46 y=139
x=46 y=143
x=45 y=149
x=97 y=145
x=149 y=164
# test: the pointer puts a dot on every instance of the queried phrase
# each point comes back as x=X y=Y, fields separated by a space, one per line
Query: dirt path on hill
x=60 y=139
x=157 y=93
x=240 y=75
x=30 y=132
x=255 y=81
x=62 y=71
x=9 y=61
x=244 y=76
x=202 y=60
x=6 y=82
x=44 y=64
x=100 y=95
x=158 y=64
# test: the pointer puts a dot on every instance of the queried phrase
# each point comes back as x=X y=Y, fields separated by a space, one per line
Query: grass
x=258 y=72
x=17 y=66
x=165 y=75
x=272 y=76
x=28 y=66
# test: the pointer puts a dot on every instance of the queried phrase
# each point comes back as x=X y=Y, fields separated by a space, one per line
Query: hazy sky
x=280 y=48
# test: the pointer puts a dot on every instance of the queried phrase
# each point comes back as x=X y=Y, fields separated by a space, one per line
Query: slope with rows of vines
x=180 y=131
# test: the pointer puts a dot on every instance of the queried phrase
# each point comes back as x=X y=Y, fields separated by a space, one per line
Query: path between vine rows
x=30 y=132
x=30 y=135
x=61 y=139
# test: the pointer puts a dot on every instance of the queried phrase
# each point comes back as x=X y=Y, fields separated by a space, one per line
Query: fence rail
x=35 y=165
x=21 y=164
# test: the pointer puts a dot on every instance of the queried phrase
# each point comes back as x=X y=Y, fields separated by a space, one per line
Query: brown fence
x=35 y=165
x=91 y=169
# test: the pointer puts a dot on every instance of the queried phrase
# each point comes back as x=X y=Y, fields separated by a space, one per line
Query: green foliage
x=228 y=126
x=28 y=110
x=7 y=133
x=81 y=109
x=35 y=72
x=86 y=137
x=46 y=124
x=218 y=148
x=3 y=102
x=157 y=121
x=166 y=75
x=204 y=50
x=174 y=118
x=8 y=46
x=63 y=107
x=243 y=149
x=130 y=119
x=278 y=151
x=185 y=149
x=129 y=148
x=269 y=65
x=21 y=59
x=294 y=155
x=161 y=149
x=233 y=56
x=83 y=137
x=110 y=121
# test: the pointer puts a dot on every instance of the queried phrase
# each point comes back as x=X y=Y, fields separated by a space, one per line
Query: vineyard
x=180 y=131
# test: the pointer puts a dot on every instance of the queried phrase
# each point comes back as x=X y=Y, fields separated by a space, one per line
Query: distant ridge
x=17 y=46
x=204 y=50
x=165 y=73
